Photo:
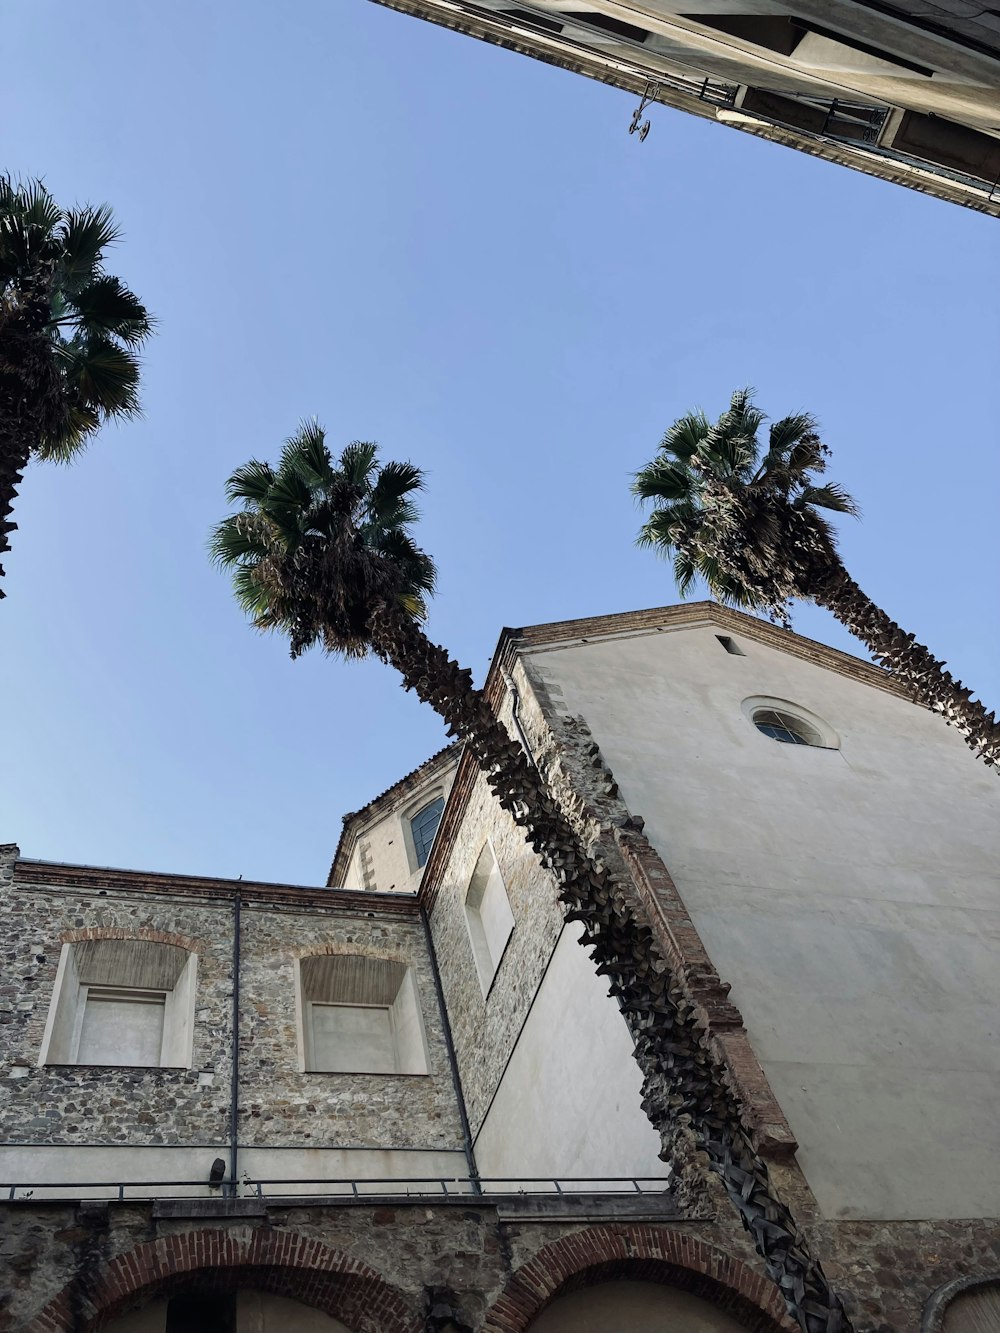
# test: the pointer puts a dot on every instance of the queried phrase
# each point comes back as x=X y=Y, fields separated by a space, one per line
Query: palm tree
x=322 y=551
x=69 y=334
x=749 y=521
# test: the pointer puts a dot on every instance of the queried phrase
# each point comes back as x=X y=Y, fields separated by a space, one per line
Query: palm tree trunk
x=684 y=1083
x=13 y=460
x=909 y=662
x=29 y=388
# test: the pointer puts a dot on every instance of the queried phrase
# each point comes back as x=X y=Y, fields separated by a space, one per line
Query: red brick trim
x=278 y=1261
x=637 y=1253
x=187 y=942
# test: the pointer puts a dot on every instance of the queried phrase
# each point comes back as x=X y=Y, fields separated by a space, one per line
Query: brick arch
x=187 y=942
x=338 y=949
x=281 y=1262
x=637 y=1253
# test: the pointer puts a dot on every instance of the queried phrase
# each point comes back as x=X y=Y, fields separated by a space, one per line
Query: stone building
x=405 y=1103
x=909 y=92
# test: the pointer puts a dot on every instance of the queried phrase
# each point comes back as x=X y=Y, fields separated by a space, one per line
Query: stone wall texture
x=496 y=1264
x=485 y=1028
x=279 y=1104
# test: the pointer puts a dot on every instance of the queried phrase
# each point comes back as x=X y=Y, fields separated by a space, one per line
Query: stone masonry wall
x=493 y=1263
x=279 y=1105
x=484 y=1029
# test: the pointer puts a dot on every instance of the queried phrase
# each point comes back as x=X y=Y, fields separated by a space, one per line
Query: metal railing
x=347 y=1188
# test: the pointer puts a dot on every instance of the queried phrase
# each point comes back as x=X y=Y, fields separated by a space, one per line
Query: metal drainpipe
x=234 y=1090
x=470 y=1159
x=515 y=717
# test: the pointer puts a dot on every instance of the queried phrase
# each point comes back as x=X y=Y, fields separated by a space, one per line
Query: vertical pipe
x=234 y=1089
x=470 y=1159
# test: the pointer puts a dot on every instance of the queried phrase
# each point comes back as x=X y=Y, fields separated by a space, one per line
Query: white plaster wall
x=54 y=1172
x=850 y=896
x=569 y=1100
x=632 y=1307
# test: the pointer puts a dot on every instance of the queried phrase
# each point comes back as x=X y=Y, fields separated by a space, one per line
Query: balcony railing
x=346 y=1189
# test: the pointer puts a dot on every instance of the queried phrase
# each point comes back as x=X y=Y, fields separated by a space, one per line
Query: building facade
x=909 y=92
x=406 y=1102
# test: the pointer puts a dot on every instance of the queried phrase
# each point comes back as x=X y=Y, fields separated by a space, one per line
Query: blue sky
x=337 y=210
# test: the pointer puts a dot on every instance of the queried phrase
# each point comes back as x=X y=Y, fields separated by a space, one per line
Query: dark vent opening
x=730 y=645
x=535 y=20
x=782 y=34
x=776 y=33
x=202 y=1313
x=608 y=24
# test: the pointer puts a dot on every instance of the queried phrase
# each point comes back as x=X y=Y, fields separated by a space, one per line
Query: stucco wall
x=569 y=1099
x=545 y=1058
x=639 y=1307
x=850 y=896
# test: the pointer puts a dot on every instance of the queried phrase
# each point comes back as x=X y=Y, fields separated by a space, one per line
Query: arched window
x=488 y=916
x=423 y=827
x=244 y=1311
x=640 y=1307
x=789 y=723
x=360 y=1015
x=964 y=1305
x=122 y=1002
x=783 y=726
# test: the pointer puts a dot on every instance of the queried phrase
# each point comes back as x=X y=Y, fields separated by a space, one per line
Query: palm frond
x=357 y=463
x=306 y=453
x=684 y=572
x=684 y=437
x=664 y=479
x=251 y=482
x=86 y=233
x=789 y=431
x=103 y=376
x=831 y=495
x=238 y=539
x=106 y=306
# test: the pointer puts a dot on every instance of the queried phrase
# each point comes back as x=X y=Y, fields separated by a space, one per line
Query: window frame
x=405 y=1006
x=826 y=737
x=60 y=1043
x=473 y=924
x=409 y=813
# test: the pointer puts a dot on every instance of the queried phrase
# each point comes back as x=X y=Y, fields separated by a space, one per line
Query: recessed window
x=786 y=727
x=423 y=826
x=488 y=916
x=974 y=1310
x=360 y=1016
x=122 y=1002
x=121 y=1027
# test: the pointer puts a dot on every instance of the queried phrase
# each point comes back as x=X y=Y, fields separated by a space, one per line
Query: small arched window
x=789 y=723
x=786 y=727
x=423 y=826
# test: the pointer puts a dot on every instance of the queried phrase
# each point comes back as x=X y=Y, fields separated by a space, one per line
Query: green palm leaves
x=69 y=334
x=742 y=515
x=87 y=326
x=319 y=545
